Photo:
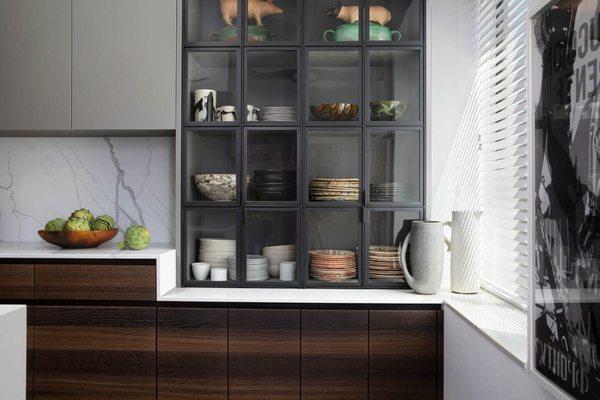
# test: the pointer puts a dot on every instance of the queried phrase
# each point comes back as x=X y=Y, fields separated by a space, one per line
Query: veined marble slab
x=129 y=178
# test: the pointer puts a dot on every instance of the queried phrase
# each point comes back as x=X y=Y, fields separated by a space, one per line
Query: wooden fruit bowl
x=78 y=240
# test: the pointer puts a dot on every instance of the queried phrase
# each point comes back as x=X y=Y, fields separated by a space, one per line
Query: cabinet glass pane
x=329 y=21
x=334 y=166
x=212 y=86
x=386 y=231
x=270 y=246
x=272 y=86
x=211 y=239
x=395 y=166
x=212 y=21
x=211 y=165
x=395 y=85
x=333 y=244
x=272 y=21
x=271 y=165
x=334 y=85
x=395 y=20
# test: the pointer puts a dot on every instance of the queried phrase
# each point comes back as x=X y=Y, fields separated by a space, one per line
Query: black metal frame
x=302 y=126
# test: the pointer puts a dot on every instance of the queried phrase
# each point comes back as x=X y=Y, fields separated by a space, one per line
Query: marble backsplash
x=130 y=178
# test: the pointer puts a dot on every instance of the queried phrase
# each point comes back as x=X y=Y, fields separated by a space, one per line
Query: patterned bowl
x=216 y=187
x=334 y=111
x=388 y=110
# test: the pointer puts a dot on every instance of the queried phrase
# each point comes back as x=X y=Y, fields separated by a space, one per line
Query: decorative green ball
x=108 y=219
x=136 y=238
x=84 y=214
x=100 y=225
x=55 y=225
x=76 y=224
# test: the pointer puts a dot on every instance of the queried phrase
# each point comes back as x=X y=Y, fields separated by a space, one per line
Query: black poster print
x=567 y=196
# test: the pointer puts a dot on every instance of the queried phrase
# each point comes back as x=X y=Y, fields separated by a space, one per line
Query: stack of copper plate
x=334 y=189
x=384 y=263
x=332 y=265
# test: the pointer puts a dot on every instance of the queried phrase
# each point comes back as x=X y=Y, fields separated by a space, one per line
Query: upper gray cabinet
x=35 y=65
x=124 y=64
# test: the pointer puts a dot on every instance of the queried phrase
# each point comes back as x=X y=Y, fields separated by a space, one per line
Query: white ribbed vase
x=465 y=259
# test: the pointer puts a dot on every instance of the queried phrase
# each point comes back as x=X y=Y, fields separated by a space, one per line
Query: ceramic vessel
x=252 y=113
x=200 y=270
x=351 y=14
x=287 y=271
x=334 y=111
x=226 y=114
x=349 y=33
x=205 y=103
x=78 y=239
x=388 y=110
x=216 y=187
x=465 y=259
x=426 y=256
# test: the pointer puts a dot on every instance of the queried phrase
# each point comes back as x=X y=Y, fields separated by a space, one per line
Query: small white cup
x=200 y=270
x=218 y=274
x=287 y=271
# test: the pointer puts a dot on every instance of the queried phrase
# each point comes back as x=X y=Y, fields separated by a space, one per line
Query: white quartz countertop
x=300 y=296
x=105 y=251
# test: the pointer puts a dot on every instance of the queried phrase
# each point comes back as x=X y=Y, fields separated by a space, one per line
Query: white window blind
x=502 y=129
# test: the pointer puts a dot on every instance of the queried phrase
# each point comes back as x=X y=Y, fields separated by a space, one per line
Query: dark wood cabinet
x=93 y=353
x=192 y=353
x=335 y=348
x=94 y=281
x=16 y=281
x=403 y=355
x=264 y=354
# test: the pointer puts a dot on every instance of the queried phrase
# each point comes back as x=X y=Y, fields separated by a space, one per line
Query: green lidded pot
x=349 y=33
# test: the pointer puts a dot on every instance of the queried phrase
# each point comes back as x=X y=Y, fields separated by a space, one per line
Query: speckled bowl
x=216 y=187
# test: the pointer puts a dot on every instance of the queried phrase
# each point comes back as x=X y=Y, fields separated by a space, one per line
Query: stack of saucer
x=257 y=268
x=334 y=189
x=274 y=185
x=390 y=192
x=216 y=251
x=332 y=265
x=278 y=113
x=277 y=255
x=384 y=263
x=231 y=268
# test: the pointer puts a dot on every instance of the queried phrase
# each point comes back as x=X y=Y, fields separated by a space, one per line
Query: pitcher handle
x=409 y=278
x=327 y=32
x=446 y=238
x=396 y=33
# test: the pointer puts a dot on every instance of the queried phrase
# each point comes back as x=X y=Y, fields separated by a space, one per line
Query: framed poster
x=564 y=301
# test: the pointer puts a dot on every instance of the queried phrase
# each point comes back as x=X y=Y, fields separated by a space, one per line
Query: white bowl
x=200 y=270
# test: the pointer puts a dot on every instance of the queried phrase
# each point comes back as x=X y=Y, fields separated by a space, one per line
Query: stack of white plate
x=278 y=254
x=231 y=268
x=257 y=268
x=278 y=113
x=216 y=251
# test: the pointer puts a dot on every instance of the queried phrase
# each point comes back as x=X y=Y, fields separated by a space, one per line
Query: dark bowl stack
x=274 y=185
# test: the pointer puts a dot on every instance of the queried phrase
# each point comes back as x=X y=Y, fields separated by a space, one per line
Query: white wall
x=475 y=369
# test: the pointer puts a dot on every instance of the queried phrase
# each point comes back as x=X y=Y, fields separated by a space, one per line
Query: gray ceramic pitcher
x=426 y=240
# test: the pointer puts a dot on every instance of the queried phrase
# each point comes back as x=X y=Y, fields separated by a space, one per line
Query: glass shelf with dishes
x=271 y=247
x=393 y=22
x=332 y=247
x=395 y=87
x=394 y=167
x=210 y=245
x=273 y=22
x=386 y=229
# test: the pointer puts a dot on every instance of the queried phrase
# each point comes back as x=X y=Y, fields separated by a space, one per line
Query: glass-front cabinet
x=302 y=146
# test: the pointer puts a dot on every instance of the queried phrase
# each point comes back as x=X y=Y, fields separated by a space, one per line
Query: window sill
x=501 y=322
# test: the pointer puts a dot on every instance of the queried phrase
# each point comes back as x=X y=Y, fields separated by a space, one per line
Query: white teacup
x=200 y=270
x=287 y=271
x=218 y=274
x=226 y=114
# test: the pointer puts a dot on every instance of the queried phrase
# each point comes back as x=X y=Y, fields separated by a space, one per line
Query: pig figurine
x=350 y=14
x=257 y=9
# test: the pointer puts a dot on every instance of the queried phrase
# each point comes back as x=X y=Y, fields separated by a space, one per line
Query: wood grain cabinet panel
x=264 y=354
x=95 y=282
x=335 y=345
x=95 y=353
x=192 y=353
x=403 y=355
x=16 y=281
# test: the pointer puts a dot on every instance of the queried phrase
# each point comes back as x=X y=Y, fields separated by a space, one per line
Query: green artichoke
x=136 y=238
x=84 y=214
x=55 y=225
x=76 y=224
x=103 y=223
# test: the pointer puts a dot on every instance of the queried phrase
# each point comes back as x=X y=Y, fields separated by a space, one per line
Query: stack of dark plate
x=274 y=185
x=390 y=192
